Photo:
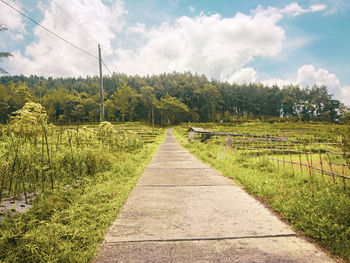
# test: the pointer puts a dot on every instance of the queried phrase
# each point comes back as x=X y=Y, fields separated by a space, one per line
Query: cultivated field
x=71 y=180
x=300 y=170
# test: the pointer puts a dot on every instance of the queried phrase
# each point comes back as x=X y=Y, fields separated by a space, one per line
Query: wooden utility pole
x=102 y=108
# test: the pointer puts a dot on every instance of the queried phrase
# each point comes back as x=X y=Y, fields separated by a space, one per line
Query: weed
x=318 y=208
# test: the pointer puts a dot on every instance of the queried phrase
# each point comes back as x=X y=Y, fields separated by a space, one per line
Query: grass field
x=317 y=207
x=67 y=222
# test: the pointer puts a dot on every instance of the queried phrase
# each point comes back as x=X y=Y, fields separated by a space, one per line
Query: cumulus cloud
x=211 y=45
x=10 y=17
x=308 y=75
x=47 y=55
x=345 y=94
x=12 y=21
x=244 y=75
x=293 y=9
x=207 y=44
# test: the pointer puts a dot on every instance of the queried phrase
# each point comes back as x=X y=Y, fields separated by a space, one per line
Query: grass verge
x=68 y=224
x=325 y=217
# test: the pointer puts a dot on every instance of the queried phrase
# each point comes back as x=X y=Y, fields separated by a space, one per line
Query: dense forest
x=168 y=98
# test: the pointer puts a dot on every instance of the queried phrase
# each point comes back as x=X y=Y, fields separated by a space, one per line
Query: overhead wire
x=50 y=31
x=58 y=36
x=70 y=17
x=106 y=67
x=81 y=28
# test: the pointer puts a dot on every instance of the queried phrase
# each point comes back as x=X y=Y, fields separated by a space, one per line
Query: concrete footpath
x=181 y=210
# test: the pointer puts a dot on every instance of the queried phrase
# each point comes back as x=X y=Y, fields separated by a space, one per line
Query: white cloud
x=244 y=75
x=293 y=9
x=307 y=76
x=279 y=82
x=191 y=9
x=11 y=18
x=335 y=6
x=13 y=21
x=139 y=28
x=48 y=55
x=317 y=8
x=207 y=44
x=345 y=94
x=210 y=45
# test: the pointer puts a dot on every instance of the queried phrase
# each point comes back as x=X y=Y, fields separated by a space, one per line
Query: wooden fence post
x=330 y=163
x=299 y=151
x=321 y=162
x=290 y=155
x=284 y=164
x=308 y=164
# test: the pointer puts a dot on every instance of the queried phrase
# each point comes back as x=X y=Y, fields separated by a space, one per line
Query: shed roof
x=197 y=129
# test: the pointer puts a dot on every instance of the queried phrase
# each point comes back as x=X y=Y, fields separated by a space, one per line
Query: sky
x=281 y=42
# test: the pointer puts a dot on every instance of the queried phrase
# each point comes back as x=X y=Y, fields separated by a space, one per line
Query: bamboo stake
x=301 y=166
x=23 y=184
x=330 y=164
x=48 y=157
x=308 y=164
x=71 y=150
x=283 y=157
x=290 y=155
x=321 y=162
x=312 y=174
x=273 y=162
x=342 y=162
x=13 y=167
x=278 y=162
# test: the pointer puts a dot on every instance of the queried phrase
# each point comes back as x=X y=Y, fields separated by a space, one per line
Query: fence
x=329 y=159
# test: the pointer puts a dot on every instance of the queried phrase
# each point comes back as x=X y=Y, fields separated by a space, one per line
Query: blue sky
x=301 y=42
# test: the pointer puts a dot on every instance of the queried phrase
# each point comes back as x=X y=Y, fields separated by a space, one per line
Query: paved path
x=181 y=210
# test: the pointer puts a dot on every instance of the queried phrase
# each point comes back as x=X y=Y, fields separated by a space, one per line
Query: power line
x=115 y=70
x=50 y=31
x=106 y=66
x=77 y=24
x=56 y=35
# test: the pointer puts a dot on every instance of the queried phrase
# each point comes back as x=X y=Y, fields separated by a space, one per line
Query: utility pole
x=102 y=108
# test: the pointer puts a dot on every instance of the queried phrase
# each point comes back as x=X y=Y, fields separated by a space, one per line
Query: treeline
x=174 y=97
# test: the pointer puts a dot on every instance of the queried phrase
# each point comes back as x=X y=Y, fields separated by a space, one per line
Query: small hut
x=204 y=133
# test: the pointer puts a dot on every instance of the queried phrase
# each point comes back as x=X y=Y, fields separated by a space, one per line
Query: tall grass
x=319 y=208
x=93 y=172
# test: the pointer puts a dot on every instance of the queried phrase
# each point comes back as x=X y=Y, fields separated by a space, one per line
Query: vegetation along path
x=182 y=210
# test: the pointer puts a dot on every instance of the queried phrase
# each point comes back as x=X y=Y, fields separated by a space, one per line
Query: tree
x=148 y=100
x=210 y=98
x=3 y=54
x=29 y=121
x=110 y=109
x=77 y=99
x=170 y=108
x=125 y=99
x=4 y=107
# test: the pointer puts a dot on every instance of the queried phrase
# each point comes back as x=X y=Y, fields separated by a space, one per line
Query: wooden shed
x=204 y=133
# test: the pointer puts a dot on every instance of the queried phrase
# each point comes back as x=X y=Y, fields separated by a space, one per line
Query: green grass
x=68 y=225
x=322 y=214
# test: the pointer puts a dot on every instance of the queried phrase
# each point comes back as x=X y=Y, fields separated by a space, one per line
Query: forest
x=168 y=98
